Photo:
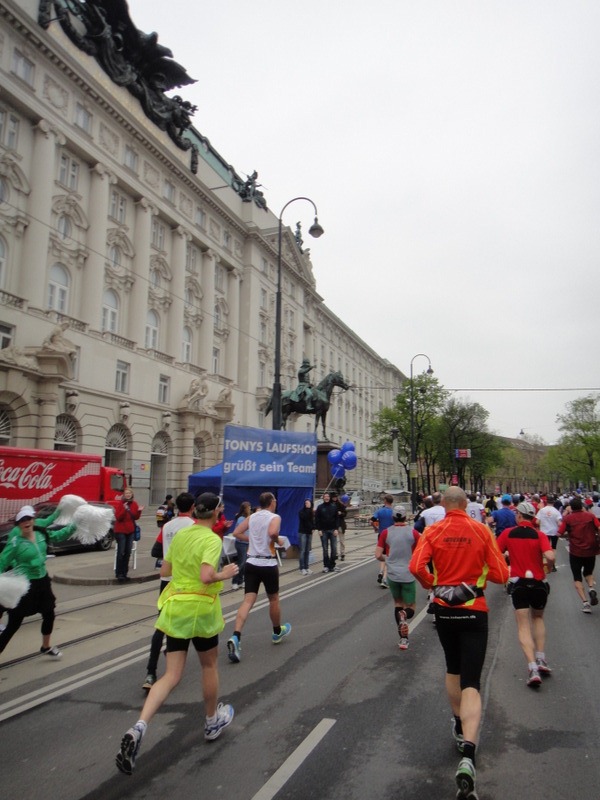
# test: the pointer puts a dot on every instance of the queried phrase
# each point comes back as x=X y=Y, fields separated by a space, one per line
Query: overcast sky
x=452 y=148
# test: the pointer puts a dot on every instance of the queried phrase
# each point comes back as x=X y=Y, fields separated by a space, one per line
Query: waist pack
x=457 y=595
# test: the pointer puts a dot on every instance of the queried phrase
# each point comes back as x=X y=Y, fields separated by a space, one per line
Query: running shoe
x=586 y=608
x=403 y=625
x=379 y=577
x=337 y=569
x=403 y=643
x=130 y=747
x=465 y=779
x=212 y=730
x=286 y=629
x=384 y=585
x=542 y=666
x=534 y=679
x=593 y=597
x=53 y=653
x=458 y=737
x=304 y=571
x=149 y=682
x=234 y=650
x=325 y=569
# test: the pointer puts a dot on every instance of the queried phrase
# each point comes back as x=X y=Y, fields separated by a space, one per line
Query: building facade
x=138 y=278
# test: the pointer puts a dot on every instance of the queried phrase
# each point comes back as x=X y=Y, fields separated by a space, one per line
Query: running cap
x=400 y=510
x=27 y=512
x=588 y=501
x=506 y=498
x=207 y=501
x=526 y=509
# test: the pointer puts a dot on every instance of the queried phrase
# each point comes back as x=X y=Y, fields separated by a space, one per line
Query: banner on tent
x=257 y=457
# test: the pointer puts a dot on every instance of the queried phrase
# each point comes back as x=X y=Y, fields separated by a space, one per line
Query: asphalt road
x=335 y=711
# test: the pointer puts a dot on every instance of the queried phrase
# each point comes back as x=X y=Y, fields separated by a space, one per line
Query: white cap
x=400 y=510
x=26 y=511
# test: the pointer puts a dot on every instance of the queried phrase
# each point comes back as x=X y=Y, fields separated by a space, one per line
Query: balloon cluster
x=342 y=460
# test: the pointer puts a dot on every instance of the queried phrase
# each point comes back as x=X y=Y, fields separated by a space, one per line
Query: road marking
x=278 y=780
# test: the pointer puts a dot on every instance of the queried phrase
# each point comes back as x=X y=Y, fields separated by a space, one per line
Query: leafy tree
x=578 y=450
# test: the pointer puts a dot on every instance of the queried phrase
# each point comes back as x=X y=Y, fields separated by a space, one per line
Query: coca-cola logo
x=37 y=475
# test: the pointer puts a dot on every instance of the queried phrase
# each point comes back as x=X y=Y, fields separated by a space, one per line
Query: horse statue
x=321 y=401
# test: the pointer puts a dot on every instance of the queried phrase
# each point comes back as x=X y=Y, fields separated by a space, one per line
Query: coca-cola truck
x=41 y=477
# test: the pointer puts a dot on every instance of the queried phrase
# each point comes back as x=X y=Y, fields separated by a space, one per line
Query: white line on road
x=278 y=780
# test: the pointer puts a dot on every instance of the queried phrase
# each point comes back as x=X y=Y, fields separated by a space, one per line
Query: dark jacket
x=306 y=520
x=326 y=517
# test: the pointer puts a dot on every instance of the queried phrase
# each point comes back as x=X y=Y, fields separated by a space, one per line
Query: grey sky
x=452 y=151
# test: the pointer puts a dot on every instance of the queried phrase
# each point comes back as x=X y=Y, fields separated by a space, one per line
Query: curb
x=72 y=580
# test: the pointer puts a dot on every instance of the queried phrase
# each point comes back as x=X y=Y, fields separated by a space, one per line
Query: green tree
x=578 y=449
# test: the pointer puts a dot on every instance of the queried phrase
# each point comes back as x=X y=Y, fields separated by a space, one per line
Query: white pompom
x=13 y=587
x=67 y=506
x=93 y=523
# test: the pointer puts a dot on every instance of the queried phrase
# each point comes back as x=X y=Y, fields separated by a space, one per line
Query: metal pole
x=413 y=451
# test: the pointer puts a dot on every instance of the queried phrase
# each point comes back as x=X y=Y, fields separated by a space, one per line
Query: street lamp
x=395 y=477
x=413 y=444
x=315 y=230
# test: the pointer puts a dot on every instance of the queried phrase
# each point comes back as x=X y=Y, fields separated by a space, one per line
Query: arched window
x=186 y=345
x=58 y=288
x=65 y=437
x=110 y=311
x=5 y=427
x=152 y=330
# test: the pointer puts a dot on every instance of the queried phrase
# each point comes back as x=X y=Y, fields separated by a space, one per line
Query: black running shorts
x=463 y=634
x=254 y=576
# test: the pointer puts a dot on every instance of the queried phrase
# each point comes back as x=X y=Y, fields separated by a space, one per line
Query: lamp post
x=395 y=477
x=315 y=230
x=413 y=444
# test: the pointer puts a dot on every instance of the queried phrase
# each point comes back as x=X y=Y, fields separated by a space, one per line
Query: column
x=33 y=280
x=47 y=413
x=233 y=340
x=208 y=310
x=93 y=274
x=138 y=301
x=175 y=323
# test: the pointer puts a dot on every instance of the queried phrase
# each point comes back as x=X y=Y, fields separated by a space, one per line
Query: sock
x=211 y=720
x=397 y=614
x=141 y=726
x=457 y=725
x=539 y=654
x=469 y=751
x=532 y=665
x=238 y=634
x=277 y=630
x=409 y=613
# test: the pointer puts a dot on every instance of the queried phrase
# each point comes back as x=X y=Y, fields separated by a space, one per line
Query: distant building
x=138 y=278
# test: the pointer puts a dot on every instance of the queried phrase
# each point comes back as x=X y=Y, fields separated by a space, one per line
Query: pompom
x=67 y=506
x=92 y=522
x=13 y=587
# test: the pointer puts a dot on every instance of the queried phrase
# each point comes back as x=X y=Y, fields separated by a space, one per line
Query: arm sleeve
x=62 y=533
x=420 y=559
x=43 y=523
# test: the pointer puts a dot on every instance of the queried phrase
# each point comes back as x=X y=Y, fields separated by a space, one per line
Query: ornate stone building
x=138 y=271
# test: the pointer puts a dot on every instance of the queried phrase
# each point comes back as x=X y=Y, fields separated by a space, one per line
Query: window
x=263 y=299
x=58 y=288
x=158 y=234
x=9 y=130
x=23 y=68
x=218 y=277
x=263 y=333
x=152 y=326
x=292 y=290
x=227 y=240
x=131 y=158
x=164 y=384
x=83 y=118
x=68 y=172
x=7 y=333
x=262 y=374
x=64 y=227
x=118 y=206
x=169 y=192
x=191 y=257
x=122 y=377
x=218 y=319
x=200 y=218
x=264 y=266
x=3 y=259
x=110 y=311
x=216 y=360
x=188 y=298
x=186 y=346
x=115 y=256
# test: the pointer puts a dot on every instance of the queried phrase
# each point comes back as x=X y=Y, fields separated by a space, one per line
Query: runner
x=580 y=527
x=526 y=548
x=465 y=556
x=395 y=547
x=190 y=610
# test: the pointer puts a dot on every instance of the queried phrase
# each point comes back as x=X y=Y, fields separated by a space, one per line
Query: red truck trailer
x=32 y=477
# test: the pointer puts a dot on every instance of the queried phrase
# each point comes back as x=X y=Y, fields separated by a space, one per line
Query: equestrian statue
x=309 y=399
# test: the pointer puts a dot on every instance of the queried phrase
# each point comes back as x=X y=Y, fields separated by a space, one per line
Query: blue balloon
x=345 y=498
x=347 y=446
x=349 y=459
x=338 y=471
x=334 y=456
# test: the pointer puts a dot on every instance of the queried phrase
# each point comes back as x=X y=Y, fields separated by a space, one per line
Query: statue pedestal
x=323 y=466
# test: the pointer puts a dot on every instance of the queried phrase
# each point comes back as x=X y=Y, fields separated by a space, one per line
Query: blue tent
x=208 y=480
